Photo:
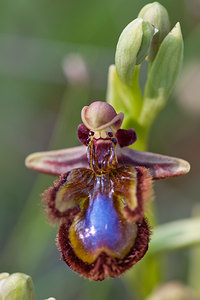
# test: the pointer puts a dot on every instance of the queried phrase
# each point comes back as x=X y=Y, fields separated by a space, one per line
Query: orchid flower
x=102 y=194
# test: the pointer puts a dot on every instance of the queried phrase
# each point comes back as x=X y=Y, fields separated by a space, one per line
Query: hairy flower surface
x=102 y=194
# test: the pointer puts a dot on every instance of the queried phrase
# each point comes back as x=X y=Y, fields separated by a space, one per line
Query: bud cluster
x=147 y=38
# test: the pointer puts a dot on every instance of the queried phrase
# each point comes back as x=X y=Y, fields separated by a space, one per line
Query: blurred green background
x=40 y=110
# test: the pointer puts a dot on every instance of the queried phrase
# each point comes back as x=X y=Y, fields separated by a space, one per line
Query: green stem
x=124 y=98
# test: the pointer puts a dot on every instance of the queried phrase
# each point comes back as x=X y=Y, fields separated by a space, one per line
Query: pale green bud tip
x=176 y=31
x=166 y=66
x=132 y=48
x=17 y=286
x=162 y=75
x=173 y=291
x=158 y=16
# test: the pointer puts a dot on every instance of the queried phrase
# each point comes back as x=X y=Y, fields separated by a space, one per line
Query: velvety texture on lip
x=105 y=265
x=102 y=219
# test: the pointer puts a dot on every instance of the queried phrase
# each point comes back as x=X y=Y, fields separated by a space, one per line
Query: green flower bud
x=132 y=48
x=166 y=66
x=17 y=286
x=157 y=16
x=162 y=75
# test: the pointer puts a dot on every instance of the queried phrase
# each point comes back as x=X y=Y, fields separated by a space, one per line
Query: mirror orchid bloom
x=102 y=194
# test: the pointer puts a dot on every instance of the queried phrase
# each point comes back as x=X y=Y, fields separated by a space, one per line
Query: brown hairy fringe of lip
x=54 y=216
x=104 y=266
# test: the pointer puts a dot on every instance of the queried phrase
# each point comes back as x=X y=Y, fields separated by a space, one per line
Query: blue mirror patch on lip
x=101 y=224
x=103 y=227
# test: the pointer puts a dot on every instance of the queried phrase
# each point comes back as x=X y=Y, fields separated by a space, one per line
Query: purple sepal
x=159 y=166
x=126 y=137
x=59 y=161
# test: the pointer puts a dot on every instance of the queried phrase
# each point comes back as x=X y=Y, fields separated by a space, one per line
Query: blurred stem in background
x=194 y=260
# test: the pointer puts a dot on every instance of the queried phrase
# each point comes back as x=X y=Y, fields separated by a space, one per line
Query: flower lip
x=100 y=115
x=104 y=266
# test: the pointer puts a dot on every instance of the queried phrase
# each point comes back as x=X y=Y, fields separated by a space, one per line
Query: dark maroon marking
x=126 y=137
x=104 y=266
x=83 y=133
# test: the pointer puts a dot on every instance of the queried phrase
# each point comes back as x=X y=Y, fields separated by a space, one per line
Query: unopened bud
x=132 y=48
x=162 y=75
x=166 y=65
x=157 y=16
x=17 y=286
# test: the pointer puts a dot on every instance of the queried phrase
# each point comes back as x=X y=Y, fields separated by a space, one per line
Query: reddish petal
x=126 y=137
x=83 y=134
x=159 y=166
x=59 y=161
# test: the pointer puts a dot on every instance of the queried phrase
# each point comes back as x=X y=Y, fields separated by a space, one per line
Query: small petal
x=159 y=166
x=83 y=134
x=126 y=137
x=59 y=161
